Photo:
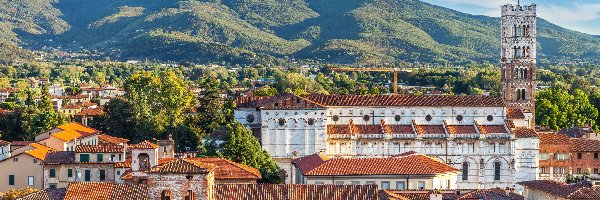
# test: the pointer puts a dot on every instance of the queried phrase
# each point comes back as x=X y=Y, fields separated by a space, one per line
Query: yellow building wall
x=25 y=166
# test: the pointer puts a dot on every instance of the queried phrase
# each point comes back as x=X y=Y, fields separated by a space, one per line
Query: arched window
x=525 y=73
x=497 y=171
x=190 y=195
x=144 y=161
x=465 y=171
x=523 y=94
x=518 y=94
x=524 y=30
x=165 y=195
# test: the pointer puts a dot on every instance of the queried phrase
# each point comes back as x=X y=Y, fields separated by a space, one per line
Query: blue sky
x=580 y=15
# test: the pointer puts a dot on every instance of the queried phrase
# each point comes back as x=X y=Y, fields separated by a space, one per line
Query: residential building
x=553 y=190
x=5 y=93
x=64 y=137
x=4 y=150
x=89 y=163
x=226 y=171
x=23 y=168
x=555 y=156
x=404 y=172
x=56 y=90
x=19 y=144
x=190 y=179
x=86 y=116
x=73 y=109
x=493 y=144
x=586 y=158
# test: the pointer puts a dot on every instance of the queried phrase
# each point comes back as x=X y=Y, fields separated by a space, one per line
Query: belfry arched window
x=144 y=161
x=165 y=195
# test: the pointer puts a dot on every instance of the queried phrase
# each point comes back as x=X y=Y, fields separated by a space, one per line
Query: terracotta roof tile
x=183 y=166
x=522 y=132
x=554 y=139
x=559 y=189
x=287 y=101
x=124 y=164
x=73 y=130
x=461 y=129
x=492 y=194
x=398 y=129
x=513 y=113
x=47 y=194
x=410 y=164
x=339 y=129
x=107 y=139
x=488 y=129
x=401 y=100
x=59 y=157
x=4 y=143
x=106 y=191
x=414 y=195
x=20 y=143
x=39 y=151
x=127 y=175
x=144 y=145
x=100 y=148
x=295 y=192
x=586 y=145
x=91 y=112
x=227 y=169
x=430 y=129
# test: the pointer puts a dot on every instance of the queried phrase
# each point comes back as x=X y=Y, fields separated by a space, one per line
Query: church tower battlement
x=519 y=57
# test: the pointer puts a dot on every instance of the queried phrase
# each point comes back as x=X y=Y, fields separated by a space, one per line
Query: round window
x=490 y=118
x=459 y=118
x=397 y=117
x=311 y=121
x=281 y=122
x=250 y=118
x=336 y=118
x=366 y=118
x=428 y=117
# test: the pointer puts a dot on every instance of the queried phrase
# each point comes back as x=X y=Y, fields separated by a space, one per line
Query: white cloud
x=569 y=15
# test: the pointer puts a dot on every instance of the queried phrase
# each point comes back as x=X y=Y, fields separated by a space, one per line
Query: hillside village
x=158 y=137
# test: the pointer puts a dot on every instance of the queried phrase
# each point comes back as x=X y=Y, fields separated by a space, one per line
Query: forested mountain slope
x=239 y=31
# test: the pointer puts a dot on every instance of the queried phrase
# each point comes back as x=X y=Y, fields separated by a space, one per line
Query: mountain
x=242 y=31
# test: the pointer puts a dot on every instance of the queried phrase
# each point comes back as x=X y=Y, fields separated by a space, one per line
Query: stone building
x=477 y=134
x=553 y=190
x=555 y=156
x=585 y=156
x=519 y=57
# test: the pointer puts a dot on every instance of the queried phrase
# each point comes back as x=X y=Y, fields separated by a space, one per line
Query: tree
x=266 y=91
x=557 y=109
x=17 y=193
x=242 y=147
x=210 y=110
x=45 y=104
x=118 y=120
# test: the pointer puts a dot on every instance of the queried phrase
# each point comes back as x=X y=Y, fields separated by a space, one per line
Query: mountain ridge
x=367 y=32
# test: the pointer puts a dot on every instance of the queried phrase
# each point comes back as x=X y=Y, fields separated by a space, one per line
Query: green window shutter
x=52 y=173
x=70 y=173
x=88 y=175
x=100 y=157
x=11 y=179
x=84 y=158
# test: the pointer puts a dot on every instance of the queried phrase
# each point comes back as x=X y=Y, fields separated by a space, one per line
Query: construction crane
x=376 y=69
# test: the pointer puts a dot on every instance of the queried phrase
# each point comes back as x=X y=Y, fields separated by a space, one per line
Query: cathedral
x=489 y=139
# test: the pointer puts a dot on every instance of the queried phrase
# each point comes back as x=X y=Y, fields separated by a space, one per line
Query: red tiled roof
x=367 y=129
x=339 y=129
x=106 y=191
x=487 y=129
x=47 y=194
x=183 y=166
x=398 y=129
x=91 y=112
x=127 y=175
x=461 y=129
x=4 y=143
x=20 y=143
x=225 y=169
x=107 y=139
x=124 y=164
x=514 y=113
x=554 y=139
x=492 y=194
x=144 y=145
x=430 y=129
x=413 y=195
x=287 y=101
x=586 y=145
x=59 y=157
x=561 y=189
x=410 y=164
x=100 y=148
x=402 y=100
x=522 y=132
x=295 y=192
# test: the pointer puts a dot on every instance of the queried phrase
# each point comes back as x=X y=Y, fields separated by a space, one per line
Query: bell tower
x=519 y=57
